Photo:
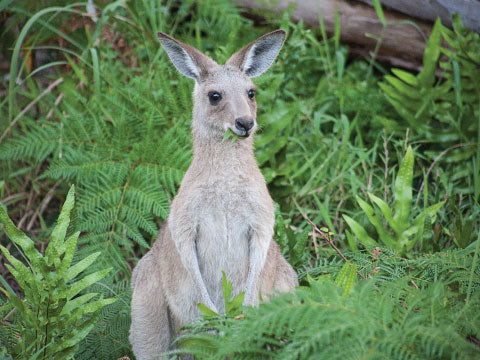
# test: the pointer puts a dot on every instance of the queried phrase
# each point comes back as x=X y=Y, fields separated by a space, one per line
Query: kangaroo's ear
x=188 y=60
x=255 y=58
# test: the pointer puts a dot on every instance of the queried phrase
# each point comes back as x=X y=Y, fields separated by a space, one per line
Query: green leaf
x=227 y=288
x=431 y=55
x=360 y=232
x=276 y=127
x=76 y=335
x=48 y=320
x=426 y=235
x=457 y=84
x=19 y=237
x=206 y=312
x=16 y=301
x=386 y=212
x=431 y=211
x=85 y=282
x=405 y=241
x=463 y=234
x=351 y=241
x=379 y=11
x=400 y=107
x=234 y=307
x=70 y=246
x=71 y=305
x=81 y=266
x=59 y=231
x=96 y=70
x=77 y=70
x=402 y=89
x=97 y=305
x=406 y=77
x=22 y=274
x=298 y=250
x=403 y=190
x=229 y=133
x=376 y=221
x=352 y=276
x=204 y=341
x=342 y=275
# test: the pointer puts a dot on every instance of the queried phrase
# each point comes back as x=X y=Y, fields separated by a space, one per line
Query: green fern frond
x=38 y=143
x=400 y=322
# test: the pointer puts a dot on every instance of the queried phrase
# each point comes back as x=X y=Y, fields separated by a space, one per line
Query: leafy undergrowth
x=375 y=320
x=385 y=163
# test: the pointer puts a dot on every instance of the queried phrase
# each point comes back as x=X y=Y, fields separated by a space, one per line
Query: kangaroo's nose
x=244 y=124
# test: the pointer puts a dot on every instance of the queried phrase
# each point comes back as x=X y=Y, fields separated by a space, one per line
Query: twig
x=326 y=237
x=57 y=101
x=313 y=234
x=340 y=203
x=436 y=160
x=29 y=106
x=24 y=218
x=406 y=140
x=43 y=205
x=27 y=209
x=315 y=244
x=13 y=196
x=413 y=282
x=385 y=196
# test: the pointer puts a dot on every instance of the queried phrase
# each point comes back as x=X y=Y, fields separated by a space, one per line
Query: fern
x=403 y=233
x=121 y=132
x=55 y=316
x=401 y=322
x=124 y=154
x=445 y=112
x=109 y=338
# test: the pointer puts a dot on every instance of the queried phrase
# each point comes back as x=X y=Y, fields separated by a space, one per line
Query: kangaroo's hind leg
x=277 y=274
x=150 y=331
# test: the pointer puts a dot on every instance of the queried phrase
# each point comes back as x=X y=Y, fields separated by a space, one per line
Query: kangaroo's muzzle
x=243 y=126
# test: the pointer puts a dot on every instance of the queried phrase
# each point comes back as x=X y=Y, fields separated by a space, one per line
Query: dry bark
x=469 y=10
x=402 y=44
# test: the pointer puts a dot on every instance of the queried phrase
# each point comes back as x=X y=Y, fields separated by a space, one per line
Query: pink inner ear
x=186 y=59
x=262 y=54
x=180 y=58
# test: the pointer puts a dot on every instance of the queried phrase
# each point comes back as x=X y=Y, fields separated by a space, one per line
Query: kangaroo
x=222 y=217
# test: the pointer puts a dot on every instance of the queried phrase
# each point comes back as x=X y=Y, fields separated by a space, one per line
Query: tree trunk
x=469 y=10
x=402 y=44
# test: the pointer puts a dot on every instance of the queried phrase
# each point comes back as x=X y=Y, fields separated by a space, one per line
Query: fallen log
x=469 y=10
x=402 y=42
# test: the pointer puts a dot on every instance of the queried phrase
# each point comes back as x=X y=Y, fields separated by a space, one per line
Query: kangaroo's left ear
x=188 y=60
x=255 y=58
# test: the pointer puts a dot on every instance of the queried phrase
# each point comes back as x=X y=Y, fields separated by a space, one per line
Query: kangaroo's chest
x=226 y=214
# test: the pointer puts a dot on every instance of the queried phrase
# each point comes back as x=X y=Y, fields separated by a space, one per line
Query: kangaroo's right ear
x=255 y=58
x=188 y=60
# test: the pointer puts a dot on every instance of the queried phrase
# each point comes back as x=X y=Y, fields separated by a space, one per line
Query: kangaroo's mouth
x=241 y=133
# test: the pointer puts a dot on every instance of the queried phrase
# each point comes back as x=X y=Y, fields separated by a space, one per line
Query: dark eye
x=214 y=97
x=251 y=94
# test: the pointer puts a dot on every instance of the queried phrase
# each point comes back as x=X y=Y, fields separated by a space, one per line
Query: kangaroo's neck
x=217 y=154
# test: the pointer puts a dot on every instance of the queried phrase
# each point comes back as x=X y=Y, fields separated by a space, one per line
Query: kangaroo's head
x=224 y=95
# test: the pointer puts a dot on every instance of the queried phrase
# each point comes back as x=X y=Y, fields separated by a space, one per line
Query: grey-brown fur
x=222 y=217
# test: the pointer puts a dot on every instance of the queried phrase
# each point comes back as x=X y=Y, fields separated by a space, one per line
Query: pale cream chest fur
x=224 y=207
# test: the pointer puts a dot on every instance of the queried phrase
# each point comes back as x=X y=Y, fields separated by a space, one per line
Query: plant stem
x=474 y=266
x=435 y=162
x=326 y=237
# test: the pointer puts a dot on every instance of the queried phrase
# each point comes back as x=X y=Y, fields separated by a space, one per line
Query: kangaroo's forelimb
x=185 y=242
